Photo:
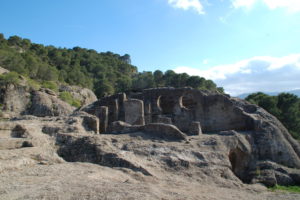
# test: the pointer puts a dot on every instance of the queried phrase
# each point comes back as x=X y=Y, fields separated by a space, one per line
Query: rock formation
x=261 y=137
x=21 y=99
x=84 y=95
x=163 y=143
x=3 y=70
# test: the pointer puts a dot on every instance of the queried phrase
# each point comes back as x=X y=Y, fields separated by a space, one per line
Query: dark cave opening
x=232 y=159
x=239 y=164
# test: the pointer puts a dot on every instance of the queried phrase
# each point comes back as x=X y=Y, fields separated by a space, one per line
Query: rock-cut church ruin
x=260 y=142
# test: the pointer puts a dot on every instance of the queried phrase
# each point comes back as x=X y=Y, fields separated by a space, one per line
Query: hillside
x=295 y=92
x=105 y=73
x=284 y=106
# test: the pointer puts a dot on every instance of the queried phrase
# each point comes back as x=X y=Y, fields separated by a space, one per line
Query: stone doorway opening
x=239 y=164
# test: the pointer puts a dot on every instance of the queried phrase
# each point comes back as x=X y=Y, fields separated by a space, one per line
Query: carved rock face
x=194 y=112
x=181 y=129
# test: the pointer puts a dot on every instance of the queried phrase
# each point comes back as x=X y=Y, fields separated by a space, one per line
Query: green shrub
x=9 y=78
x=33 y=84
x=294 y=189
x=76 y=103
x=67 y=97
x=50 y=85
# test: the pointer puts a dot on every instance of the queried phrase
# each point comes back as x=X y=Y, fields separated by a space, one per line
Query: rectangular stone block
x=164 y=120
x=103 y=115
x=195 y=128
x=148 y=114
x=134 y=112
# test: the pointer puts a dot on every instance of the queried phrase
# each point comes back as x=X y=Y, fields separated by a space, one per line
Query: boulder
x=14 y=99
x=281 y=175
x=84 y=95
x=44 y=104
x=266 y=177
x=3 y=70
x=89 y=122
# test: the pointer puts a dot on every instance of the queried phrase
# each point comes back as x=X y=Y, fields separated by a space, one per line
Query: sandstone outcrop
x=14 y=99
x=84 y=95
x=195 y=112
x=21 y=99
x=45 y=104
x=3 y=70
x=18 y=100
x=175 y=141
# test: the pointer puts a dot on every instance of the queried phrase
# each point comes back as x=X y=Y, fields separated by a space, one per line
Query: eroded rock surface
x=66 y=161
x=3 y=70
x=84 y=95
x=194 y=112
x=14 y=99
x=48 y=104
x=22 y=99
x=209 y=142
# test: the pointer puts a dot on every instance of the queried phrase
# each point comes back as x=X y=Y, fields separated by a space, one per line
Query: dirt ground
x=135 y=167
x=90 y=181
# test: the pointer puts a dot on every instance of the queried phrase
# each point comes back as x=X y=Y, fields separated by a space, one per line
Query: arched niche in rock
x=166 y=104
x=188 y=101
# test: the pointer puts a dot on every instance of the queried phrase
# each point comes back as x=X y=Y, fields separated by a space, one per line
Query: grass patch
x=294 y=189
x=67 y=97
x=33 y=84
x=9 y=78
x=50 y=85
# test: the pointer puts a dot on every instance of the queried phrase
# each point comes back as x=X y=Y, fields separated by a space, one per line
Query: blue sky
x=223 y=40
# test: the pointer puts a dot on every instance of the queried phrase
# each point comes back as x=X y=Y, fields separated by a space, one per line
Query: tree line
x=285 y=106
x=105 y=73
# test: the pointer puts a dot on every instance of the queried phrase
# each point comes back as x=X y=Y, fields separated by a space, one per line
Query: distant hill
x=104 y=73
x=295 y=92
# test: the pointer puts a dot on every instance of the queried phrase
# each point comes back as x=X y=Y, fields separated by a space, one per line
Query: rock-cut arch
x=188 y=101
x=166 y=104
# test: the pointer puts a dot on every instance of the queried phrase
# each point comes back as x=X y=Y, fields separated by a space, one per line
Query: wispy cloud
x=243 y=3
x=263 y=73
x=290 y=5
x=188 y=4
x=197 y=5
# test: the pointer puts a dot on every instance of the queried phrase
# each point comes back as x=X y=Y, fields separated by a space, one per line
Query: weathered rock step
x=14 y=143
x=86 y=149
x=5 y=134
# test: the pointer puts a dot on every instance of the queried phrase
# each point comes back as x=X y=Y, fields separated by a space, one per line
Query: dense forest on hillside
x=285 y=106
x=104 y=73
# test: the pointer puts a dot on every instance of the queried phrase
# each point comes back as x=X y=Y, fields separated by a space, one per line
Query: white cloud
x=263 y=73
x=290 y=5
x=205 y=61
x=243 y=3
x=187 y=4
